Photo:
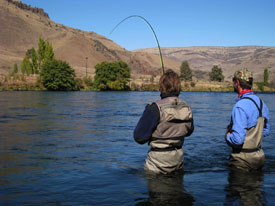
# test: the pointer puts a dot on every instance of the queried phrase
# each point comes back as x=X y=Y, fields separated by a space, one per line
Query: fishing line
x=161 y=60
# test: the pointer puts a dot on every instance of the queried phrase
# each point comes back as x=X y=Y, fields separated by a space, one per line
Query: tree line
x=54 y=74
x=58 y=75
x=216 y=74
x=186 y=73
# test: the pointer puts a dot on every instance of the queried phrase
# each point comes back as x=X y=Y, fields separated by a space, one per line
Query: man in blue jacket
x=249 y=124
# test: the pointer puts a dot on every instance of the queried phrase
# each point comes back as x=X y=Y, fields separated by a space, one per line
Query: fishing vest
x=176 y=122
x=251 y=156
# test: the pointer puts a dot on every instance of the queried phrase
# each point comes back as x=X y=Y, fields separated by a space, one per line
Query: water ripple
x=77 y=148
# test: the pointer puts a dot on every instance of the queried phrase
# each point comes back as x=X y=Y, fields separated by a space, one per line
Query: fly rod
x=161 y=60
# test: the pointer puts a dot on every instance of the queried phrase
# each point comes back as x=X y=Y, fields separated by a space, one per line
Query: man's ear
x=238 y=82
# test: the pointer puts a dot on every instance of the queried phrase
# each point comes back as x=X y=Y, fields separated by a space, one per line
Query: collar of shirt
x=244 y=92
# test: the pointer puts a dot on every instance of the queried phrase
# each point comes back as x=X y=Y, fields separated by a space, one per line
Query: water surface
x=77 y=148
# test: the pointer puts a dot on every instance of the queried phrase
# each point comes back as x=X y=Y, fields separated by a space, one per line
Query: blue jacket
x=244 y=116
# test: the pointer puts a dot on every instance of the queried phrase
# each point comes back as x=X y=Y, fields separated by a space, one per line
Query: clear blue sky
x=177 y=23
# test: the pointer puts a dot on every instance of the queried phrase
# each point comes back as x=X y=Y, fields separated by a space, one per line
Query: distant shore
x=32 y=83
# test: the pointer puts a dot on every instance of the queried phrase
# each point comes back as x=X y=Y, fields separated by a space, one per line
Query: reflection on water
x=166 y=190
x=77 y=148
x=245 y=188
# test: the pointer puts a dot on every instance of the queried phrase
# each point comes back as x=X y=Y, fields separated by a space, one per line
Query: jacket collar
x=168 y=95
x=244 y=92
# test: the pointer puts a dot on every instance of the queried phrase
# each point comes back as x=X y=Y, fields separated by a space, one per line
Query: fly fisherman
x=164 y=125
x=249 y=123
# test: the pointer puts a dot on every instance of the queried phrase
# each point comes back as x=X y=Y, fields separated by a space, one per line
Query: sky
x=177 y=23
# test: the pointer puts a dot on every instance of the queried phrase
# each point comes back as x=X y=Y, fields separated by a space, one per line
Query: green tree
x=40 y=52
x=15 y=69
x=32 y=56
x=266 y=77
x=185 y=71
x=44 y=52
x=112 y=76
x=26 y=66
x=57 y=75
x=34 y=61
x=216 y=74
x=48 y=53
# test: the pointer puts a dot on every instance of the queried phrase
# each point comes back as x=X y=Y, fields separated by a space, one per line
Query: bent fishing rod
x=132 y=16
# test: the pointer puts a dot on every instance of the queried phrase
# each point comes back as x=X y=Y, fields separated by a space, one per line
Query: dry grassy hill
x=21 y=26
x=255 y=58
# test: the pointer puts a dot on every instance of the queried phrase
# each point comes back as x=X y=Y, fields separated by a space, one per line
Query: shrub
x=57 y=75
x=185 y=71
x=112 y=76
x=260 y=86
x=216 y=74
x=88 y=81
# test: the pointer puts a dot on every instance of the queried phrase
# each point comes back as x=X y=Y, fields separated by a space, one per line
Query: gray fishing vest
x=251 y=156
x=176 y=122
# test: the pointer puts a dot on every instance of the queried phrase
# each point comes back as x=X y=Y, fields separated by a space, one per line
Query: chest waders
x=176 y=122
x=250 y=156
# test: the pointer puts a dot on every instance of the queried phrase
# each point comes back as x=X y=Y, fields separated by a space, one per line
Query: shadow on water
x=165 y=190
x=245 y=188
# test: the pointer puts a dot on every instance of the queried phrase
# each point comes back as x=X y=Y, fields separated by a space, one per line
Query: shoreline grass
x=33 y=83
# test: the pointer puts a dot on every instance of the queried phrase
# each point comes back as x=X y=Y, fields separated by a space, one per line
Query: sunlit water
x=77 y=148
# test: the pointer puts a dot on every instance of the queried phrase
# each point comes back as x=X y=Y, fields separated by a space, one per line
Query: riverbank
x=33 y=83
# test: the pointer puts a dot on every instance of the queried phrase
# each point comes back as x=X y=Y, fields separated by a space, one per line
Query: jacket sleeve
x=236 y=138
x=266 y=131
x=147 y=124
x=191 y=130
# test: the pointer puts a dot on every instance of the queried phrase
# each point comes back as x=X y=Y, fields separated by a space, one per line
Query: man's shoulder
x=153 y=108
x=251 y=99
x=248 y=102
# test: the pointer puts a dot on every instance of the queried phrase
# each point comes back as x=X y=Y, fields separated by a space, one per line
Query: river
x=77 y=148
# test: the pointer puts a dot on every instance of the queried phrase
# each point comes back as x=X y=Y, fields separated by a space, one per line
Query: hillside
x=255 y=58
x=21 y=26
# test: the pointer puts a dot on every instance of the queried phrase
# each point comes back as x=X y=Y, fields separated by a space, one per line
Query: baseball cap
x=243 y=74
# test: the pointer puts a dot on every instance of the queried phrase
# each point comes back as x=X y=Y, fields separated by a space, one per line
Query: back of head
x=169 y=83
x=245 y=78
